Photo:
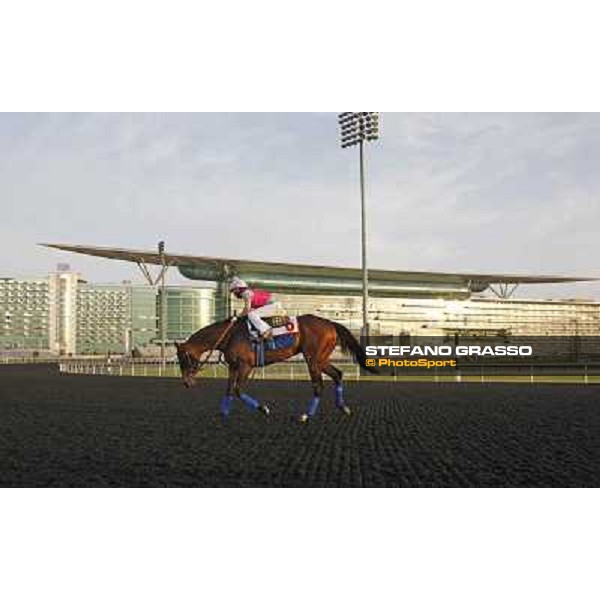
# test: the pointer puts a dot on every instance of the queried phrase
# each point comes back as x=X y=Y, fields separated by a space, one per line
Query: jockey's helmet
x=237 y=284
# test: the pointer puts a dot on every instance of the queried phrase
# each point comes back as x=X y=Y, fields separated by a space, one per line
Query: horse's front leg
x=227 y=400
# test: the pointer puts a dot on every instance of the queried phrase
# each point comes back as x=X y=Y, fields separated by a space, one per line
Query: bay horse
x=316 y=340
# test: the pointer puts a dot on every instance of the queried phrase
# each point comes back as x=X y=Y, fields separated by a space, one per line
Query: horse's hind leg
x=317 y=382
x=252 y=403
x=337 y=376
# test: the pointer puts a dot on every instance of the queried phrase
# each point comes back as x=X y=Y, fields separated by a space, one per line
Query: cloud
x=470 y=192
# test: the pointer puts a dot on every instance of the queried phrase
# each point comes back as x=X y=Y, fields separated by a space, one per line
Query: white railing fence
x=144 y=367
x=28 y=360
x=296 y=370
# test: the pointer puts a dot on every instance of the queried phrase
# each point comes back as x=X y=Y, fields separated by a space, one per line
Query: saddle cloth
x=277 y=343
x=279 y=326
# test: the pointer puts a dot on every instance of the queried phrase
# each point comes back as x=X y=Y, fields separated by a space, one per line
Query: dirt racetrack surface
x=68 y=430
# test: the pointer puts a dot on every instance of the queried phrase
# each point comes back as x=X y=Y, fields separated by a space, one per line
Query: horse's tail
x=350 y=345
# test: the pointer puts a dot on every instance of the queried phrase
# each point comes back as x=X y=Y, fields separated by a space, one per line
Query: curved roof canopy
x=326 y=278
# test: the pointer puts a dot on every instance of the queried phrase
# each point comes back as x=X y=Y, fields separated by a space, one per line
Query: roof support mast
x=154 y=282
x=504 y=290
x=148 y=276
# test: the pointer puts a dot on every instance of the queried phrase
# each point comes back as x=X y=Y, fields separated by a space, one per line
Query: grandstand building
x=64 y=314
x=401 y=302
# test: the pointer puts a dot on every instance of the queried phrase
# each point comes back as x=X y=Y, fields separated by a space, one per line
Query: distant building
x=62 y=310
x=24 y=314
x=64 y=314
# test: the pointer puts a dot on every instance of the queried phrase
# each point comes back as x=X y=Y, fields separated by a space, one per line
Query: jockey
x=257 y=304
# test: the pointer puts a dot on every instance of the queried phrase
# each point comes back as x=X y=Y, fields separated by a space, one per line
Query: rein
x=202 y=364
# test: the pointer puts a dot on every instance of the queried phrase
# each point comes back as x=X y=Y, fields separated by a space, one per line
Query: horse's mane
x=201 y=333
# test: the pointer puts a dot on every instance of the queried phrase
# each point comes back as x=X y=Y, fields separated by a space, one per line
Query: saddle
x=277 y=320
x=280 y=325
x=283 y=329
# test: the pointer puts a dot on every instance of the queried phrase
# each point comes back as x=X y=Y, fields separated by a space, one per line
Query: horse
x=316 y=339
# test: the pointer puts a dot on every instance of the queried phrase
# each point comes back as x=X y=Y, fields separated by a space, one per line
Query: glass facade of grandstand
x=63 y=314
x=188 y=309
x=473 y=316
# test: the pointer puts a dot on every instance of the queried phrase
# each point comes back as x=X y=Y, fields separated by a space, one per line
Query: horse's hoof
x=264 y=409
x=303 y=418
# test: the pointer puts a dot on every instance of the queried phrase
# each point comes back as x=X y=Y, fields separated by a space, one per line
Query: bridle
x=194 y=365
x=188 y=362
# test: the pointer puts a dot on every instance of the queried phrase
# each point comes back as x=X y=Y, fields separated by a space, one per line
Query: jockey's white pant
x=268 y=310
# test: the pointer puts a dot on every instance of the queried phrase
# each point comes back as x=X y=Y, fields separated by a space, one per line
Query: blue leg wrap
x=249 y=401
x=226 y=403
x=312 y=407
x=339 y=395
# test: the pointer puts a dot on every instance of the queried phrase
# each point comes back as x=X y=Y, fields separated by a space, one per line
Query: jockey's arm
x=247 y=304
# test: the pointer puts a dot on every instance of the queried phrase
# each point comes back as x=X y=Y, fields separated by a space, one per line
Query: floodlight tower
x=357 y=128
x=163 y=306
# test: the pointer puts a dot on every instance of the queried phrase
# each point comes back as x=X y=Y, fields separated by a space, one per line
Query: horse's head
x=188 y=363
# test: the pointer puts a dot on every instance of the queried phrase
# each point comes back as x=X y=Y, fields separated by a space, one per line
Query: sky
x=473 y=192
